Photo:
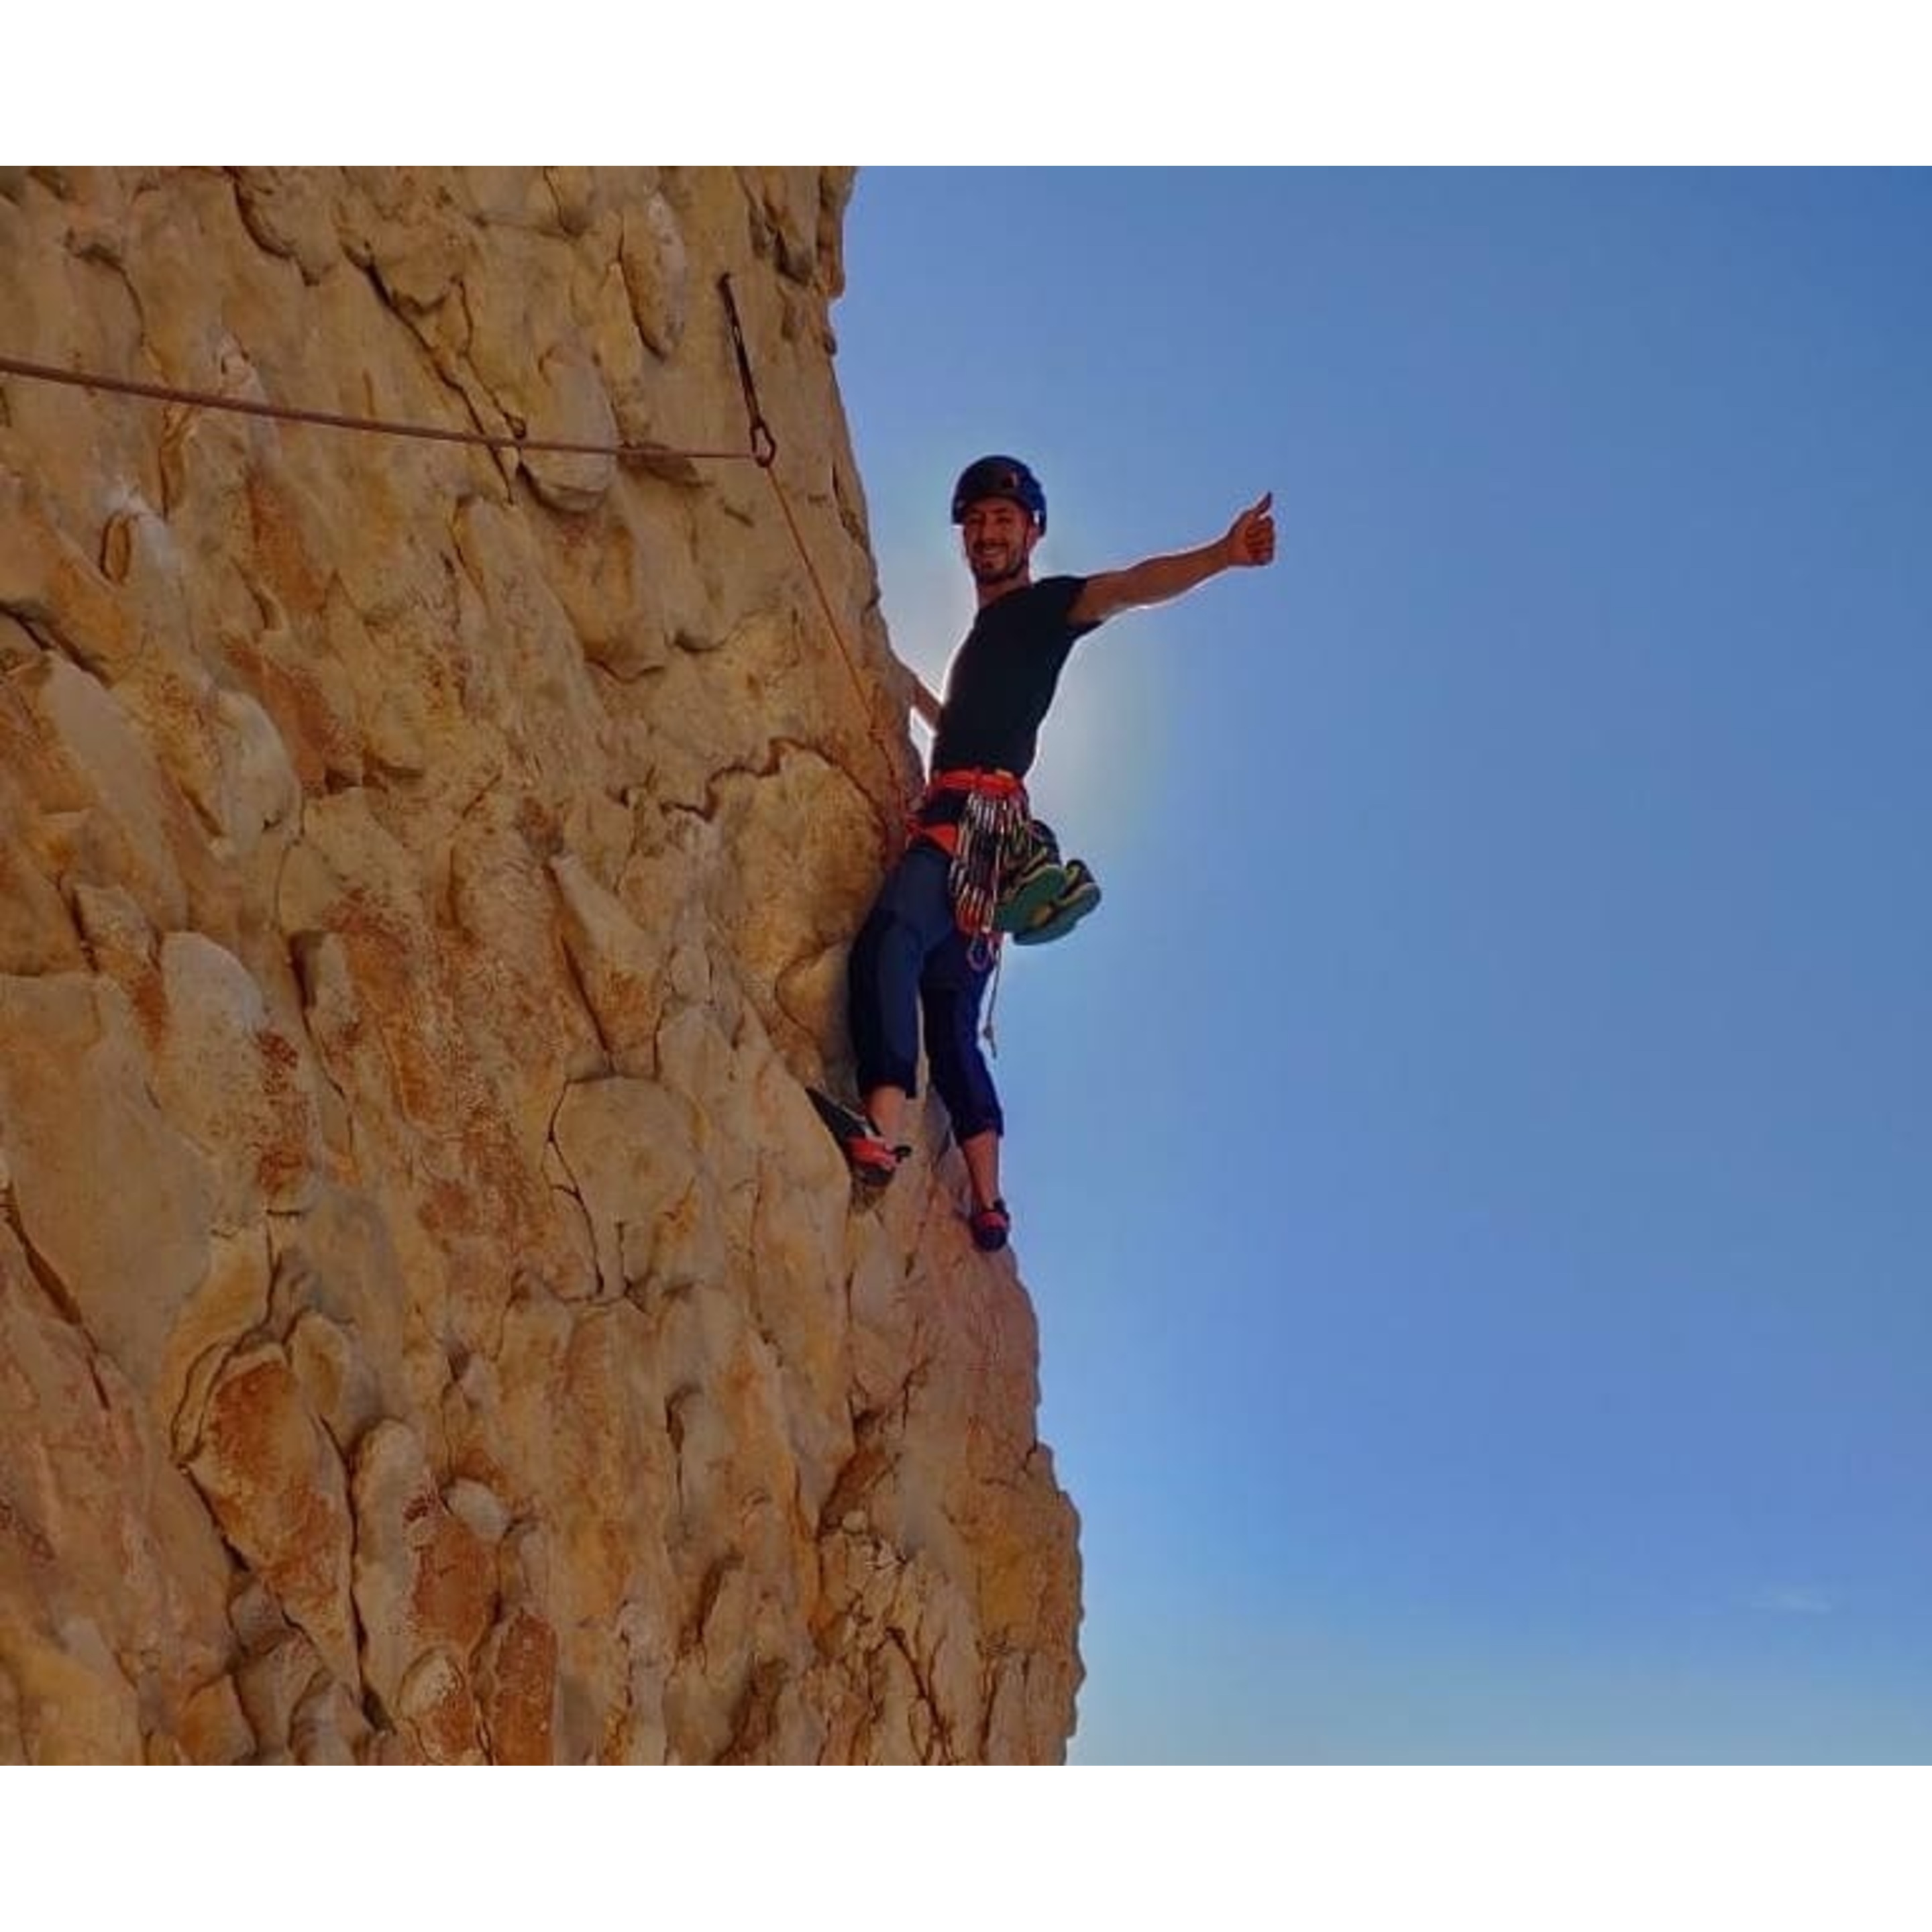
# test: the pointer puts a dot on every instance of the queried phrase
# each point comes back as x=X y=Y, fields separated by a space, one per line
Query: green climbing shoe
x=1055 y=920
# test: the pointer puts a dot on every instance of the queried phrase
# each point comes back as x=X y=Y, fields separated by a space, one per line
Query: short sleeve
x=1058 y=596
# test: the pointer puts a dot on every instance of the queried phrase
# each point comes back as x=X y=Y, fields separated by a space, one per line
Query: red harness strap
x=942 y=789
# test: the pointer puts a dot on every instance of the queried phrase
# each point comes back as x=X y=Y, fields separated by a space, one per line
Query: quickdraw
x=980 y=819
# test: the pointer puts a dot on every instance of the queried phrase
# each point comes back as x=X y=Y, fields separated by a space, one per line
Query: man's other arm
x=1249 y=543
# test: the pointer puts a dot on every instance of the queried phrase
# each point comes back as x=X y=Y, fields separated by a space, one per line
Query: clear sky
x=1475 y=1171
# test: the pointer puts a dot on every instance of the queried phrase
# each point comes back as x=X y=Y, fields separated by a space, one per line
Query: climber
x=928 y=942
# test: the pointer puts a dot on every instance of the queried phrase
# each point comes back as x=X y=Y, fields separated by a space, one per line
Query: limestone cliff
x=434 y=1323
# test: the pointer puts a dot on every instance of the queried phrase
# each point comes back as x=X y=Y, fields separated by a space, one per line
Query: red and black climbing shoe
x=991 y=1226
x=873 y=1159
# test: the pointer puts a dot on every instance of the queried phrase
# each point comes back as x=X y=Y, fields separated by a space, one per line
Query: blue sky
x=1473 y=1170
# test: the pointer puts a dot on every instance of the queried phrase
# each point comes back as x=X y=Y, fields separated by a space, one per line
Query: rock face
x=434 y=1323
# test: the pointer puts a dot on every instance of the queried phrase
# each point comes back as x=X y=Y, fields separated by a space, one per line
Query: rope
x=762 y=452
x=993 y=993
x=764 y=446
x=892 y=832
x=204 y=399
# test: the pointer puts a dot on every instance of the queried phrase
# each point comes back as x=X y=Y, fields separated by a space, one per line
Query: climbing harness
x=980 y=819
x=1007 y=879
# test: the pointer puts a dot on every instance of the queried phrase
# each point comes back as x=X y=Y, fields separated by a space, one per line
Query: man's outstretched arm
x=1249 y=542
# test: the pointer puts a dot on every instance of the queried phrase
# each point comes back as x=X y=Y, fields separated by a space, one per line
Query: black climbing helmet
x=1005 y=476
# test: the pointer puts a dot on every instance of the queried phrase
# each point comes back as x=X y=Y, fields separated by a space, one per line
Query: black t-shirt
x=1003 y=677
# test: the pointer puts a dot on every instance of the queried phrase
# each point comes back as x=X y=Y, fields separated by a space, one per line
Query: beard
x=999 y=565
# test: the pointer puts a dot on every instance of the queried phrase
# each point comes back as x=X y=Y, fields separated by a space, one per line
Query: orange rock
x=433 y=1326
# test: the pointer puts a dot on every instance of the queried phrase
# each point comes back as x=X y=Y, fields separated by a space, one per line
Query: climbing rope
x=206 y=399
x=764 y=446
x=999 y=963
x=763 y=451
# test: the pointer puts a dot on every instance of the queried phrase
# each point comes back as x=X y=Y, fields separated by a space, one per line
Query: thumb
x=1266 y=504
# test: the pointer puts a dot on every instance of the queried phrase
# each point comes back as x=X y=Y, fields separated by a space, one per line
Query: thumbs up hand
x=1250 y=538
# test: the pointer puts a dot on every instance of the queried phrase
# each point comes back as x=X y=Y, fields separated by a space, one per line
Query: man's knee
x=960 y=1074
x=966 y=1086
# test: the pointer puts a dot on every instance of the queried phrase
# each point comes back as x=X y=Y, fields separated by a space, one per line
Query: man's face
x=999 y=537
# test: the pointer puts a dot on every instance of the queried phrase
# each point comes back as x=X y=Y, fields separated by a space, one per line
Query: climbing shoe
x=1031 y=879
x=991 y=1226
x=1029 y=893
x=873 y=1159
x=1077 y=898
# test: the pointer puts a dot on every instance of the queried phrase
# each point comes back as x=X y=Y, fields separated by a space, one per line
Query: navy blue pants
x=911 y=956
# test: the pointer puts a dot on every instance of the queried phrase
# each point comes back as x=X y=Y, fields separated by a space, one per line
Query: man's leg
x=951 y=992
x=886 y=1106
x=914 y=913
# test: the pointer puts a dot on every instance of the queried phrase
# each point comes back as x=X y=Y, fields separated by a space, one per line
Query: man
x=926 y=944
